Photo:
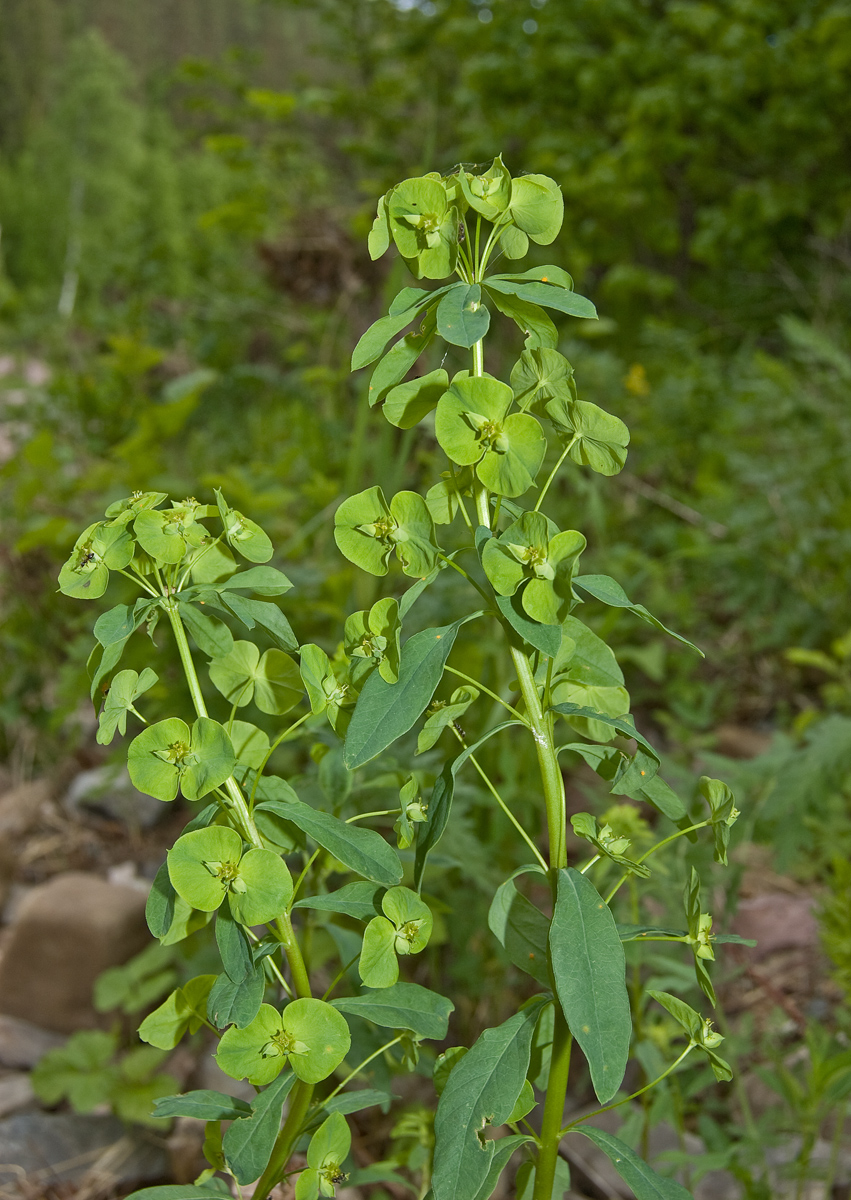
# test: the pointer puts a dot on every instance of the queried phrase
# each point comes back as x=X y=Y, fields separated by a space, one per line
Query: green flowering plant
x=275 y=875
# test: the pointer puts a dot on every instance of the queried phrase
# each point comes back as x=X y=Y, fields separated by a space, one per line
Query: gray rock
x=69 y=1146
x=23 y=1044
x=107 y=790
x=68 y=931
x=15 y=1093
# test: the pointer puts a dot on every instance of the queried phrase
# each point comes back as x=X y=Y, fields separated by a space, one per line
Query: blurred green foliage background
x=185 y=190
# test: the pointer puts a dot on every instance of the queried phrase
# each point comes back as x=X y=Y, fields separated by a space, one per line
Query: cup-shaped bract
x=310 y=1036
x=525 y=551
x=424 y=226
x=243 y=535
x=367 y=529
x=169 y=755
x=101 y=548
x=168 y=533
x=595 y=438
x=474 y=428
x=207 y=865
x=372 y=638
x=272 y=681
x=541 y=375
x=537 y=207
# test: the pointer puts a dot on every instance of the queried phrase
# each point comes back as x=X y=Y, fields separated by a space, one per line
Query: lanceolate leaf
x=385 y=711
x=623 y=725
x=482 y=1090
x=359 y=900
x=203 y=1105
x=372 y=343
x=521 y=928
x=609 y=591
x=643 y=1180
x=589 y=968
x=363 y=850
x=403 y=1006
x=249 y=1140
x=546 y=638
x=558 y=298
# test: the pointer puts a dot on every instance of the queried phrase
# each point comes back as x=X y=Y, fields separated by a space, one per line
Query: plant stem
x=553 y=474
x=235 y=795
x=300 y=1098
x=502 y=804
x=480 y=687
x=451 y=563
x=673 y=837
x=553 y=1108
x=351 y=1075
x=633 y=1096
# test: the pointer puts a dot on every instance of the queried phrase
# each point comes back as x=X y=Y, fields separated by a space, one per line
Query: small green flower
x=606 y=843
x=367 y=530
x=328 y=1150
x=373 y=639
x=242 y=535
x=404 y=929
x=474 y=428
x=526 y=554
x=700 y=935
x=700 y=1032
x=168 y=534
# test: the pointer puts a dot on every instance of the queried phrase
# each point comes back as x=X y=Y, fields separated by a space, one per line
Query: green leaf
x=232 y=1003
x=545 y=274
x=372 y=343
x=525 y=1181
x=250 y=744
x=643 y=1180
x=359 y=900
x=177 y=1191
x=589 y=970
x=243 y=535
x=546 y=638
x=570 y=303
x=403 y=1006
x=268 y=888
x=384 y=712
x=331 y=1143
x=203 y=1105
x=609 y=591
x=530 y=319
x=379 y=235
x=152 y=773
x=211 y=636
x=539 y=376
x=264 y=581
x=622 y=725
x=407 y=404
x=185 y=1009
x=124 y=690
x=352 y=1102
x=159 y=907
x=520 y=928
x=116 y=625
x=273 y=681
x=505 y=1148
x=482 y=1090
x=248 y=1142
x=362 y=850
x=264 y=613
x=462 y=319
x=200 y=863
x=536 y=206
x=445 y=715
x=400 y=358
x=310 y=1034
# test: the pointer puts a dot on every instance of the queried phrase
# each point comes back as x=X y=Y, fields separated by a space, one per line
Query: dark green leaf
x=264 y=581
x=352 y=1102
x=624 y=725
x=530 y=320
x=546 y=638
x=359 y=900
x=248 y=1141
x=609 y=591
x=558 y=298
x=643 y=1180
x=237 y=1004
x=482 y=1090
x=176 y=1191
x=462 y=319
x=266 y=614
x=233 y=944
x=372 y=342
x=203 y=1105
x=362 y=850
x=590 y=976
x=521 y=929
x=115 y=625
x=159 y=909
x=403 y=1006
x=385 y=711
x=211 y=637
x=505 y=1147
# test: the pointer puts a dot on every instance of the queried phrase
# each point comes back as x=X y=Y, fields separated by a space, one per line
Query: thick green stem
x=553 y=1108
x=300 y=1098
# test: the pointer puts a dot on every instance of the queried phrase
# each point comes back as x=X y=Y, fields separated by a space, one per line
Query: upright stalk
x=283 y=924
x=553 y=788
x=300 y=1098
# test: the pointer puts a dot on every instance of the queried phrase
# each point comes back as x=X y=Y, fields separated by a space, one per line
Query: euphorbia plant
x=237 y=856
